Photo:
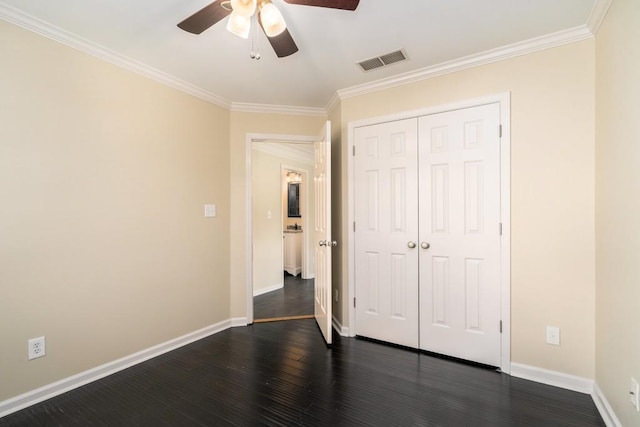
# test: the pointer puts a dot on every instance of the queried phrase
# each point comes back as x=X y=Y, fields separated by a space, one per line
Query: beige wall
x=552 y=200
x=242 y=124
x=103 y=178
x=618 y=206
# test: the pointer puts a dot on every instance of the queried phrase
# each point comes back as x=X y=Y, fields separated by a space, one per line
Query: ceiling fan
x=270 y=19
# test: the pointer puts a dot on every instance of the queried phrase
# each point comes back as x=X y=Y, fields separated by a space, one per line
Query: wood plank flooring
x=281 y=373
x=294 y=299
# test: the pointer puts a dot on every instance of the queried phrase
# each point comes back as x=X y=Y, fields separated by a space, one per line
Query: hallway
x=294 y=299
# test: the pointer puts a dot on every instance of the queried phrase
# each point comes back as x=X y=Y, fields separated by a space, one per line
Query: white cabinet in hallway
x=293 y=251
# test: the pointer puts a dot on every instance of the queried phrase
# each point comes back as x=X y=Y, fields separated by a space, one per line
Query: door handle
x=425 y=245
x=411 y=245
x=334 y=243
x=322 y=243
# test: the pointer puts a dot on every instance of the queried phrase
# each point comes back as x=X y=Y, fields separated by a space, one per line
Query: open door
x=322 y=231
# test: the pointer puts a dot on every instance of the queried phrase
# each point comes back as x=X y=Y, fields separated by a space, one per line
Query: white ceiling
x=330 y=41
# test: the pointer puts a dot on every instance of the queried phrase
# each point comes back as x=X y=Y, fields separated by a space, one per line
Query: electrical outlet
x=36 y=348
x=634 y=390
x=553 y=335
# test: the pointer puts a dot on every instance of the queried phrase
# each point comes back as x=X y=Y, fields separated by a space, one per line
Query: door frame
x=504 y=100
x=250 y=138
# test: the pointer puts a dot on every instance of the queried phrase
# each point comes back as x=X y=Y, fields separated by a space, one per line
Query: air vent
x=382 y=60
x=371 y=64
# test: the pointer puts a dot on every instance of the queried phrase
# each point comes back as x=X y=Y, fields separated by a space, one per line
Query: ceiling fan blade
x=283 y=44
x=205 y=18
x=333 y=4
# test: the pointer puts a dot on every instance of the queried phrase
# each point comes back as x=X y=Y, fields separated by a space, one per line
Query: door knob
x=411 y=245
x=322 y=243
x=334 y=243
x=425 y=245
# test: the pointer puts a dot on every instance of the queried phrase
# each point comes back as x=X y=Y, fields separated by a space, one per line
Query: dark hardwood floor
x=282 y=373
x=294 y=299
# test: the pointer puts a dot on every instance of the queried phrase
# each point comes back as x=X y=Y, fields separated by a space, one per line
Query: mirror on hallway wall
x=293 y=200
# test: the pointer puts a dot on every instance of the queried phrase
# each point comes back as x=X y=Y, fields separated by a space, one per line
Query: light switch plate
x=553 y=335
x=210 y=211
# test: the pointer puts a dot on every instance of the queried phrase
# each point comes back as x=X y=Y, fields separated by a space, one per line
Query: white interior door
x=386 y=232
x=322 y=231
x=460 y=233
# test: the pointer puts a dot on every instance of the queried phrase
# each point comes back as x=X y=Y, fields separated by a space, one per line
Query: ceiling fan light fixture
x=239 y=25
x=245 y=8
x=271 y=19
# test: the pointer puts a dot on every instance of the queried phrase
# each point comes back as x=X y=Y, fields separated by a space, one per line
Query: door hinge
x=354 y=303
x=501 y=326
x=500 y=131
x=354 y=150
x=501 y=229
x=354 y=226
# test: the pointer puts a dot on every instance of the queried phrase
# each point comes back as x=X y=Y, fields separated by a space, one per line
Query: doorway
x=281 y=216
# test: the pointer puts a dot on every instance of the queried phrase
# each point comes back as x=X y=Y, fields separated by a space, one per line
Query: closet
x=428 y=233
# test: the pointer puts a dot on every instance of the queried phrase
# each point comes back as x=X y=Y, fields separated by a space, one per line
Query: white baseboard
x=569 y=382
x=606 y=412
x=344 y=332
x=54 y=389
x=267 y=289
x=238 y=321
x=554 y=378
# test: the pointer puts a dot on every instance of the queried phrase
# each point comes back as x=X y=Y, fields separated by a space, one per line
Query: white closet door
x=386 y=215
x=460 y=224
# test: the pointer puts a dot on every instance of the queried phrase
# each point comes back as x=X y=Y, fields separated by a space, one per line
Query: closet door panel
x=386 y=215
x=459 y=186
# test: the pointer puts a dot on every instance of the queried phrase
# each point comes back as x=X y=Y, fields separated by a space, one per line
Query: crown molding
x=242 y=107
x=560 y=38
x=52 y=32
x=516 y=49
x=598 y=12
x=333 y=103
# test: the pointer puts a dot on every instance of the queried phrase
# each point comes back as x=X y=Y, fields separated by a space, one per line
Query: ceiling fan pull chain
x=255 y=52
